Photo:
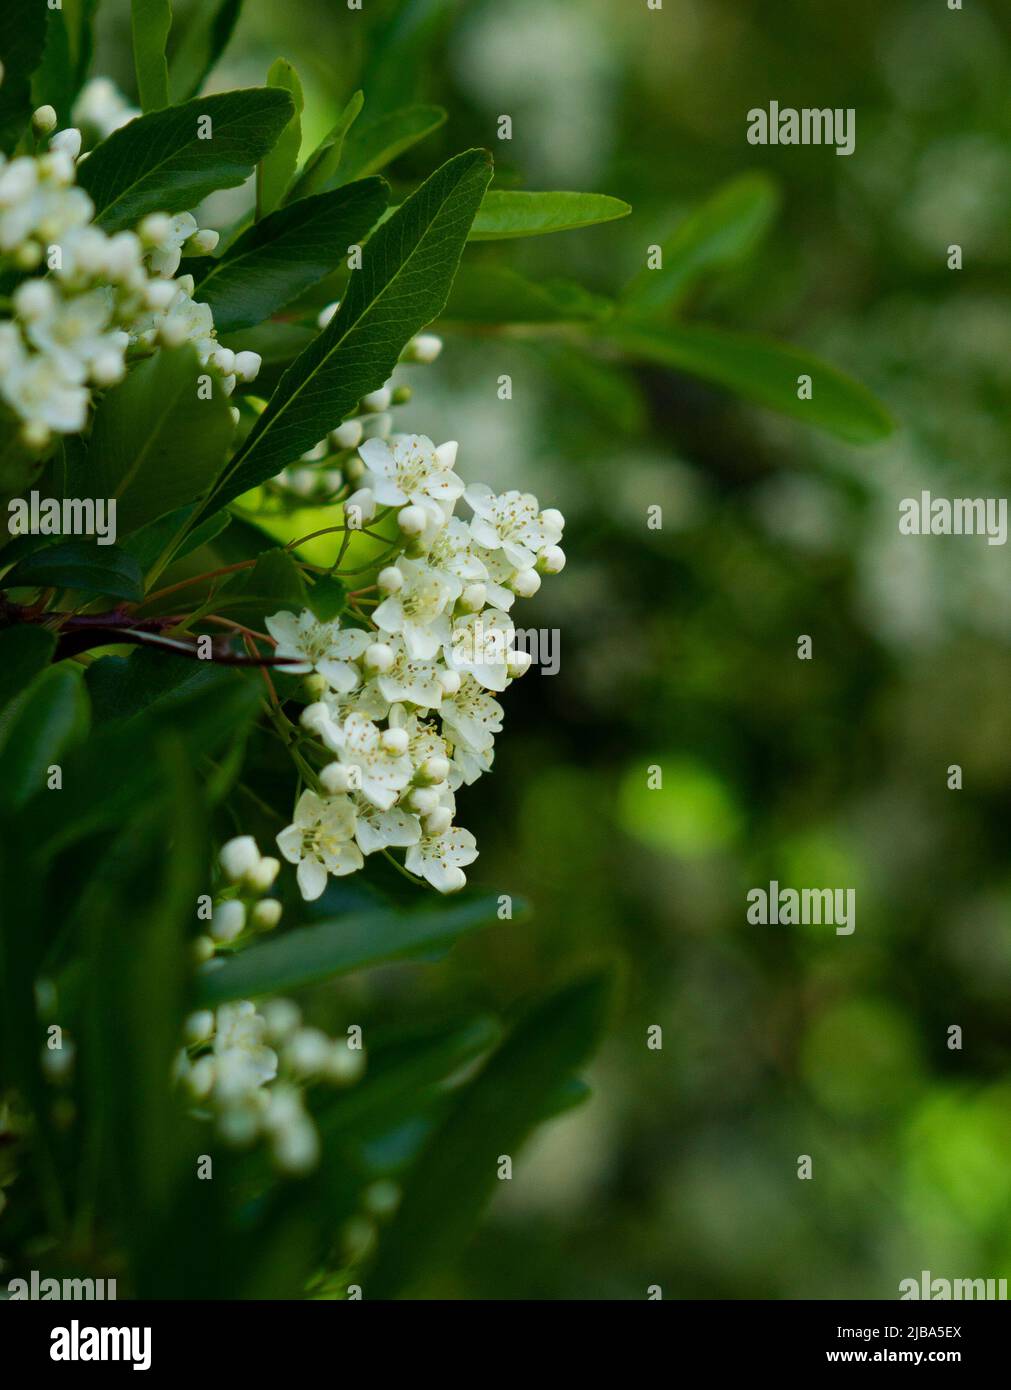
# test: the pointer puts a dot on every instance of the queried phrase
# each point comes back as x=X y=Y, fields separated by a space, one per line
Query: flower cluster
x=86 y=301
x=247 y=1066
x=240 y=907
x=406 y=712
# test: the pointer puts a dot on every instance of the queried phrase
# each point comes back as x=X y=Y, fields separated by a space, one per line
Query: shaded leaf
x=22 y=40
x=36 y=729
x=24 y=652
x=276 y=169
x=285 y=253
x=371 y=145
x=150 y=22
x=94 y=569
x=161 y=162
x=322 y=164
x=764 y=371
x=203 y=41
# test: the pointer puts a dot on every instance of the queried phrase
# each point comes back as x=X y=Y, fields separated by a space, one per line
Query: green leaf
x=25 y=651
x=327 y=597
x=353 y=942
x=122 y=687
x=720 y=234
x=150 y=22
x=764 y=371
x=456 y=1174
x=371 y=145
x=204 y=39
x=22 y=40
x=276 y=169
x=159 y=538
x=286 y=253
x=322 y=164
x=50 y=714
x=407 y=270
x=274 y=582
x=94 y=569
x=157 y=442
x=498 y=294
x=168 y=160
x=504 y=214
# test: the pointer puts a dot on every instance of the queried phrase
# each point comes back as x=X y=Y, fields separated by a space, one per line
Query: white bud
x=446 y=453
x=390 y=580
x=377 y=401
x=434 y=769
x=344 y=1064
x=282 y=1017
x=296 y=1147
x=239 y=857
x=552 y=518
x=155 y=228
x=315 y=717
x=247 y=365
x=424 y=348
x=518 y=664
x=551 y=560
x=424 y=800
x=437 y=822
x=526 y=583
x=450 y=681
x=34 y=299
x=365 y=500
x=44 y=120
x=199 y=1026
x=159 y=294
x=412 y=520
x=262 y=876
x=205 y=241
x=307 y=1051
x=266 y=914
x=203 y=949
x=347 y=436
x=67 y=142
x=325 y=315
x=335 y=778
x=394 y=741
x=200 y=1078
x=228 y=920
x=379 y=657
x=108 y=368
x=474 y=597
x=224 y=359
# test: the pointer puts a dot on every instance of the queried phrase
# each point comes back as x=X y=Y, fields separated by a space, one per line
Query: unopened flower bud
x=262 y=876
x=473 y=598
x=307 y=1051
x=365 y=500
x=239 y=857
x=228 y=920
x=199 y=1026
x=454 y=880
x=44 y=120
x=412 y=520
x=551 y=560
x=155 y=228
x=379 y=657
x=203 y=242
x=390 y=579
x=526 y=583
x=437 y=822
x=282 y=1017
x=394 y=741
x=314 y=685
x=450 y=681
x=424 y=800
x=518 y=664
x=552 y=518
x=347 y=436
x=335 y=778
x=325 y=315
x=433 y=769
x=67 y=142
x=377 y=401
x=424 y=348
x=266 y=914
x=247 y=365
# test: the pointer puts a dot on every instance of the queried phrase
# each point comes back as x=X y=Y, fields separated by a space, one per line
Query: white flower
x=382 y=775
x=480 y=646
x=376 y=829
x=510 y=521
x=75 y=334
x=454 y=551
x=165 y=255
x=405 y=679
x=472 y=717
x=40 y=395
x=317 y=646
x=411 y=469
x=242 y=1060
x=440 y=858
x=319 y=841
x=416 y=610
x=101 y=107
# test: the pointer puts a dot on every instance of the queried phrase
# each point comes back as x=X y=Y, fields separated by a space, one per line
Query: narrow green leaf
x=504 y=213
x=498 y=294
x=168 y=160
x=22 y=41
x=371 y=145
x=24 y=652
x=764 y=371
x=276 y=169
x=51 y=713
x=720 y=234
x=456 y=1174
x=95 y=569
x=67 y=56
x=158 y=440
x=150 y=22
x=322 y=164
x=354 y=942
x=286 y=253
x=204 y=39
x=407 y=270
